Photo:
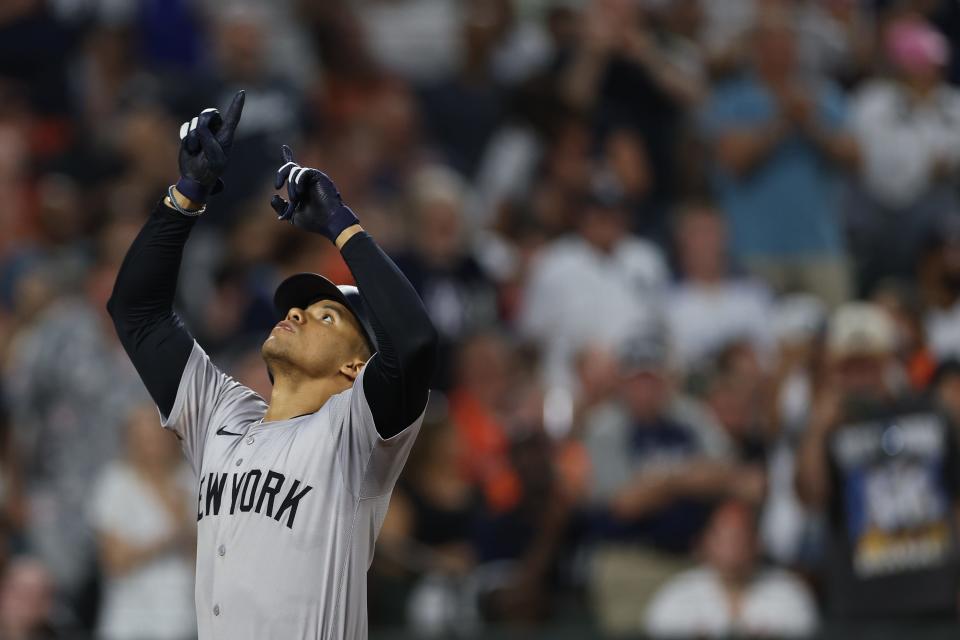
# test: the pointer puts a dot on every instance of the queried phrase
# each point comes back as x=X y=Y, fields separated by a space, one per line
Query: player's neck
x=297 y=397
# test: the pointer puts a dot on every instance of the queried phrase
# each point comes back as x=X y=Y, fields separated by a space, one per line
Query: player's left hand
x=315 y=204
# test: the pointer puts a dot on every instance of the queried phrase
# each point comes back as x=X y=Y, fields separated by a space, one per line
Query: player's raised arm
x=142 y=301
x=396 y=379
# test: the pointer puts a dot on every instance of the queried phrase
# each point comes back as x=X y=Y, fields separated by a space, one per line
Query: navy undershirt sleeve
x=397 y=378
x=141 y=305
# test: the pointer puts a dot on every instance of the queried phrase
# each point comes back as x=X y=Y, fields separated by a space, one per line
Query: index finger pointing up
x=231 y=119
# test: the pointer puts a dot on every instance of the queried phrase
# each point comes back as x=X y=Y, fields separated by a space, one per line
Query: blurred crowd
x=695 y=265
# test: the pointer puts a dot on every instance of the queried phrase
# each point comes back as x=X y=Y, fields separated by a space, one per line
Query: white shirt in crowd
x=578 y=296
x=694 y=605
x=703 y=318
x=902 y=141
x=153 y=601
x=417 y=39
x=943 y=332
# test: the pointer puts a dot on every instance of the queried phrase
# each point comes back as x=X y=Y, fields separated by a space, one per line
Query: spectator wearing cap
x=652 y=482
x=907 y=129
x=780 y=150
x=733 y=594
x=596 y=285
x=710 y=306
x=883 y=467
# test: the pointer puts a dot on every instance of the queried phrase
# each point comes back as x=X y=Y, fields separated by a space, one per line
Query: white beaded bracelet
x=176 y=205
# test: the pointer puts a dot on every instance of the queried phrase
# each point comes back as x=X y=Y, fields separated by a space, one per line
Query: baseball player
x=291 y=493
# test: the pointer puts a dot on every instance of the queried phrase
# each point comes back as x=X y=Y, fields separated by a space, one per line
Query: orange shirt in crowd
x=485 y=457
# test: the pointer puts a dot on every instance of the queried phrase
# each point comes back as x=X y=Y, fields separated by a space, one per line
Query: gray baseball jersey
x=288 y=511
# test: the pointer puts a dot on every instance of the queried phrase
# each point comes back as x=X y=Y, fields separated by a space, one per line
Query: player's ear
x=351 y=368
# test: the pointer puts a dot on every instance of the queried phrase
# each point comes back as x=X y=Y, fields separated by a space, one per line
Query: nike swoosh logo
x=222 y=431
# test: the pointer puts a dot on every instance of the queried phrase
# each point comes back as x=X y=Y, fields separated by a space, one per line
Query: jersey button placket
x=249 y=439
x=221 y=551
x=216 y=609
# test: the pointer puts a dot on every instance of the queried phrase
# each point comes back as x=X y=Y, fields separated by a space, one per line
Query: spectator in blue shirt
x=780 y=148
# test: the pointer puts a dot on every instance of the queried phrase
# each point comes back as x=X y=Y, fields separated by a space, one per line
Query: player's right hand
x=205 y=143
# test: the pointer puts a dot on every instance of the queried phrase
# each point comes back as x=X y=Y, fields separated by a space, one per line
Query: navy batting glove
x=315 y=204
x=205 y=145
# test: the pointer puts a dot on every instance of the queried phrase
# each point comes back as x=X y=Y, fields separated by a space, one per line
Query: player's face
x=315 y=341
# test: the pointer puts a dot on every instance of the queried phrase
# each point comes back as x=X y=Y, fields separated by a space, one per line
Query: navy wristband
x=196 y=191
x=193 y=190
x=340 y=220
